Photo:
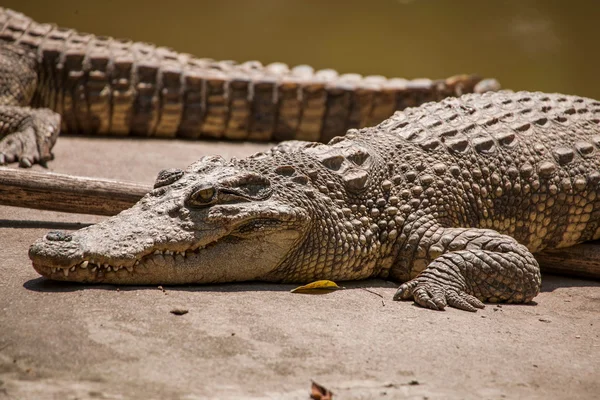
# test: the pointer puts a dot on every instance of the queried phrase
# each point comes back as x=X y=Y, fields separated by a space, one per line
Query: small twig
x=370 y=291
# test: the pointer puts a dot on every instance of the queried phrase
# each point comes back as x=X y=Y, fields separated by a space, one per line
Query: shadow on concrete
x=26 y=224
x=549 y=284
x=49 y=286
x=552 y=282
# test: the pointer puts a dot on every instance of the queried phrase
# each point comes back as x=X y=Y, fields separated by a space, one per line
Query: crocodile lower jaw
x=89 y=270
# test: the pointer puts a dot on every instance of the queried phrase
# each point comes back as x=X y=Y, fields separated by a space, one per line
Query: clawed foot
x=436 y=295
x=21 y=147
x=33 y=142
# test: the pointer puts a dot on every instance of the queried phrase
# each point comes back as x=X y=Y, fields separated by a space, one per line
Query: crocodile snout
x=61 y=248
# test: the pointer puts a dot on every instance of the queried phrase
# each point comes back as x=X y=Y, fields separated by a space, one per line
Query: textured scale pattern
x=102 y=85
x=451 y=198
x=473 y=185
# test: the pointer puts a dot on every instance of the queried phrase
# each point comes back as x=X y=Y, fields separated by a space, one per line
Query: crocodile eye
x=202 y=196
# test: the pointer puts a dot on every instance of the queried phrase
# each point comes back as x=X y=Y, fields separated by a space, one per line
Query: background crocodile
x=451 y=198
x=101 y=85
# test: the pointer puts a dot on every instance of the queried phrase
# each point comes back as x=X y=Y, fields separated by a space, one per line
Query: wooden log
x=582 y=260
x=58 y=192
x=74 y=194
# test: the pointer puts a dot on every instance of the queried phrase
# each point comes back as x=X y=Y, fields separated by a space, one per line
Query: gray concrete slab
x=68 y=341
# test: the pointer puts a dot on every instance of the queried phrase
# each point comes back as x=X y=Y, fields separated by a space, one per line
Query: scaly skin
x=451 y=198
x=102 y=85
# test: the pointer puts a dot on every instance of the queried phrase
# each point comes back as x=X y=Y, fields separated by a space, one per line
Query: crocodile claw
x=437 y=296
x=29 y=141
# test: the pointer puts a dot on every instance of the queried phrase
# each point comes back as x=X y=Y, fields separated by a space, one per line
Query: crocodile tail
x=111 y=86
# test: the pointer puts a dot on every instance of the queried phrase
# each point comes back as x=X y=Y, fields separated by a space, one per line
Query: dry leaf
x=318 y=392
x=317 y=287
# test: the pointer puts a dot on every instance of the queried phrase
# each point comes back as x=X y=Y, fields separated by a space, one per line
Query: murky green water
x=526 y=44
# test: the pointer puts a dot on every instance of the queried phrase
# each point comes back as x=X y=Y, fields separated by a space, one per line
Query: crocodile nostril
x=58 y=236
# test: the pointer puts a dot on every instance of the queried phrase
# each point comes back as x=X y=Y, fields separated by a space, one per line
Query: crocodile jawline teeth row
x=93 y=265
x=184 y=253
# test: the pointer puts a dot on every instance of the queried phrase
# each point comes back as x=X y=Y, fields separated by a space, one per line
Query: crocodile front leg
x=465 y=267
x=27 y=135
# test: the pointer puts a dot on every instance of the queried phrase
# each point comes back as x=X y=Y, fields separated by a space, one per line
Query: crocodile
x=452 y=198
x=56 y=79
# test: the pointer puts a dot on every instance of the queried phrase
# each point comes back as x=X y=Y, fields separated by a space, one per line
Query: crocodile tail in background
x=104 y=85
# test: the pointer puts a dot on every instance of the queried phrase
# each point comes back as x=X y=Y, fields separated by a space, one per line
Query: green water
x=533 y=45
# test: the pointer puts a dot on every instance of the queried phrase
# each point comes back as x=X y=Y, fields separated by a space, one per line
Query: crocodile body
x=101 y=85
x=452 y=198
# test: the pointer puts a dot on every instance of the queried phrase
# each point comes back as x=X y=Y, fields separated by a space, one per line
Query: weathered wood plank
x=580 y=260
x=74 y=194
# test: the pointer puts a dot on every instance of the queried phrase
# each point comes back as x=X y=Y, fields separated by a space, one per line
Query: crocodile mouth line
x=96 y=266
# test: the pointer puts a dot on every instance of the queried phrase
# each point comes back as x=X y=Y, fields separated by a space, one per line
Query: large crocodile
x=101 y=85
x=451 y=198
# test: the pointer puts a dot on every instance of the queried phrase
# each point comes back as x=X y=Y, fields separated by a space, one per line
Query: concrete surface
x=69 y=341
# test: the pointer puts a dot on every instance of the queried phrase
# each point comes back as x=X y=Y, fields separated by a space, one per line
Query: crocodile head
x=215 y=222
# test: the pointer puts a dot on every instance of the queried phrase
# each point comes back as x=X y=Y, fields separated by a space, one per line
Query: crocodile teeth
x=168 y=253
x=84 y=264
x=157 y=252
x=53 y=269
x=94 y=269
x=65 y=271
x=129 y=268
x=72 y=269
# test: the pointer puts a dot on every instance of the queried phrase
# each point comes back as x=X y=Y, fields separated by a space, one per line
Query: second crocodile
x=78 y=82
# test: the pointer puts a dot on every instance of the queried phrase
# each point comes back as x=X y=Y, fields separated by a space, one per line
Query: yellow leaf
x=317 y=287
x=318 y=392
